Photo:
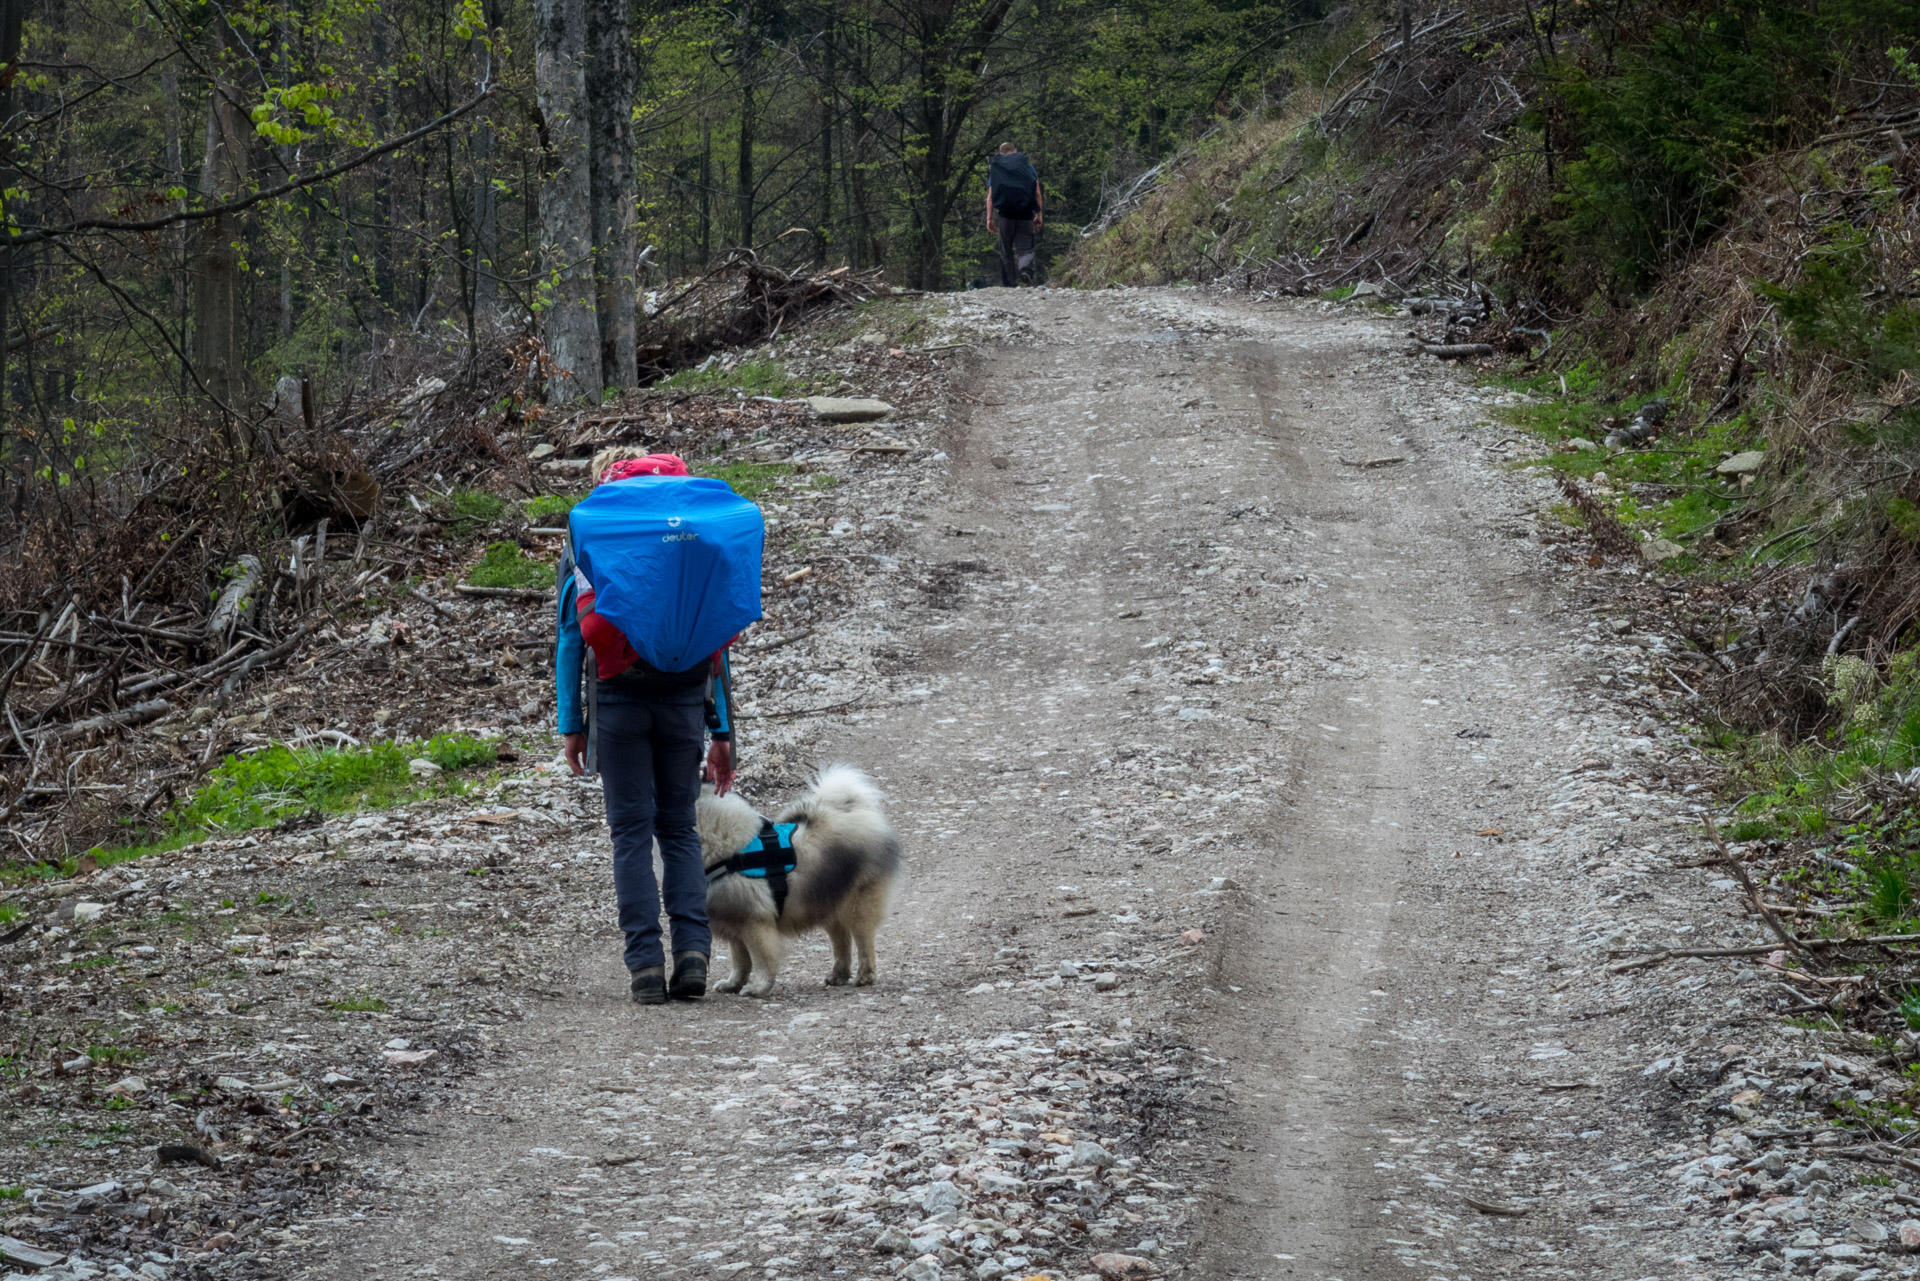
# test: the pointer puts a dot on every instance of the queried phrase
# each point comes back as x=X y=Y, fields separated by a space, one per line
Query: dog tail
x=842 y=788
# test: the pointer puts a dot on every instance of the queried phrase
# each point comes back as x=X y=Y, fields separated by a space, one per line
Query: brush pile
x=742 y=301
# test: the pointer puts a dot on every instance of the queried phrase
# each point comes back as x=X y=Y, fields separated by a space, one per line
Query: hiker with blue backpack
x=661 y=572
x=1016 y=208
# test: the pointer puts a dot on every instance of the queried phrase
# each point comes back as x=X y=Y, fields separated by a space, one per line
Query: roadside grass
x=751 y=480
x=247 y=792
x=473 y=508
x=1842 y=794
x=549 y=509
x=749 y=377
x=363 y=1002
x=1670 y=490
x=505 y=565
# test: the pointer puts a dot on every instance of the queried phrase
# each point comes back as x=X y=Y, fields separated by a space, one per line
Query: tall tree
x=224 y=168
x=616 y=246
x=569 y=319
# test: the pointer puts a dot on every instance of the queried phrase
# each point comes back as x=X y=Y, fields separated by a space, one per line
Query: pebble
x=1085 y=1153
x=941 y=1197
x=1123 y=1265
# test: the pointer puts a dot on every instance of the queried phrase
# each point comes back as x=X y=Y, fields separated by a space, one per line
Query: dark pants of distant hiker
x=1016 y=247
x=649 y=747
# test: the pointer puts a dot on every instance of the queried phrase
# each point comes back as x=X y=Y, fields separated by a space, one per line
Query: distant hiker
x=661 y=571
x=1016 y=207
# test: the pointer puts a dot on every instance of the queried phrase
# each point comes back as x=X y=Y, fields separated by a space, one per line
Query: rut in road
x=1182 y=666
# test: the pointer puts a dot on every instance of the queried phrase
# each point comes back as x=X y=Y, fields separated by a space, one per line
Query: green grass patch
x=472 y=508
x=751 y=480
x=259 y=790
x=550 y=509
x=1811 y=791
x=116 y=1055
x=750 y=377
x=364 y=1003
x=505 y=565
x=9 y=913
x=246 y=792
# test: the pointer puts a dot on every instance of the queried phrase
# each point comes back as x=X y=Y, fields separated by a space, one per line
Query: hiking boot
x=689 y=976
x=650 y=985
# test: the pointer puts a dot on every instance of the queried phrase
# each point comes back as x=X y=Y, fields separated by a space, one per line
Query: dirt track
x=1183 y=639
x=1264 y=829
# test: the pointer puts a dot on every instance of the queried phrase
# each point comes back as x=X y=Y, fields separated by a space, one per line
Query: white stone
x=848 y=409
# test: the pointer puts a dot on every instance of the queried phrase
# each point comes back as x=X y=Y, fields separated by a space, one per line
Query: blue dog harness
x=768 y=856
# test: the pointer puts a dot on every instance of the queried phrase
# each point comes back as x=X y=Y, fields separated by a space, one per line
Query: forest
x=205 y=198
x=268 y=264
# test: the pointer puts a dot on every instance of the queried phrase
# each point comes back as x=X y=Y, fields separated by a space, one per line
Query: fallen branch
x=139 y=714
x=1456 y=350
x=506 y=593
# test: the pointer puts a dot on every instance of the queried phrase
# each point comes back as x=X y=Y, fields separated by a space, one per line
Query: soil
x=1276 y=787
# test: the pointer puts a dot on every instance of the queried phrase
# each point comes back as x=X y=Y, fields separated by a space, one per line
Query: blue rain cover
x=674 y=562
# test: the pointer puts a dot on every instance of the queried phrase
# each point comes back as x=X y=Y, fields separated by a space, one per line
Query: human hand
x=990 y=223
x=720 y=766
x=575 y=747
x=1039 y=218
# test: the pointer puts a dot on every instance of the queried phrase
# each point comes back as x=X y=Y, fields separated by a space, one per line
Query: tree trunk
x=179 y=238
x=744 y=170
x=822 y=228
x=486 y=203
x=12 y=17
x=615 y=227
x=383 y=177
x=570 y=326
x=706 y=196
x=217 y=283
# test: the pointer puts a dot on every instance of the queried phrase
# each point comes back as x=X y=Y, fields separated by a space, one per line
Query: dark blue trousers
x=649 y=748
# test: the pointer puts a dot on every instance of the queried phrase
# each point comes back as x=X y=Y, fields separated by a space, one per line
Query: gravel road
x=1276 y=789
x=1225 y=631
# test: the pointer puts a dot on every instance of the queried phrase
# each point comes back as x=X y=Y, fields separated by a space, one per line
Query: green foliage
x=363 y=1002
x=750 y=377
x=1889 y=897
x=505 y=565
x=9 y=913
x=1655 y=130
x=115 y=1055
x=550 y=509
x=1827 y=311
x=1910 y=1009
x=752 y=480
x=261 y=789
x=473 y=508
x=1904 y=518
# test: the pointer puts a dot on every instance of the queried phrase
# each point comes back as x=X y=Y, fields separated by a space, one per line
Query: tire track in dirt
x=1184 y=645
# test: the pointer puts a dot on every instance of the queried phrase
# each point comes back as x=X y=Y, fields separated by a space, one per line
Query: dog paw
x=730 y=988
x=865 y=980
x=760 y=989
x=838 y=980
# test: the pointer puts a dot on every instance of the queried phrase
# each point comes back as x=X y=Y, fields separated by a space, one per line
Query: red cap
x=651 y=465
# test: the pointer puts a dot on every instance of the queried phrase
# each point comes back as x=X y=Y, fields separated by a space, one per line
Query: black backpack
x=1015 y=185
